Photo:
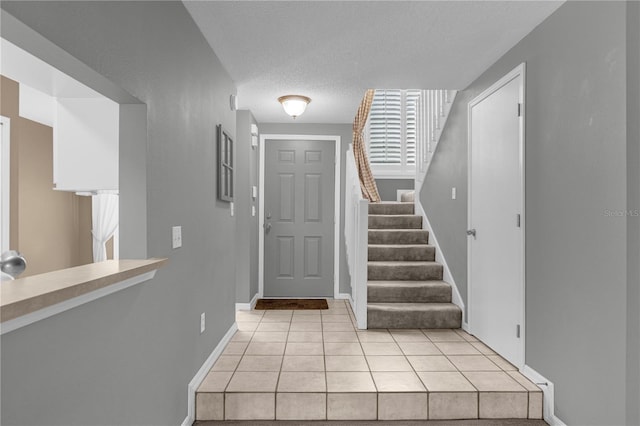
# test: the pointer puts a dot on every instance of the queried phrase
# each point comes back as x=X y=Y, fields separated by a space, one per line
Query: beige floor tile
x=373 y=348
x=419 y=348
x=340 y=336
x=349 y=382
x=375 y=336
x=436 y=335
x=235 y=348
x=431 y=363
x=453 y=405
x=524 y=382
x=301 y=406
x=346 y=363
x=226 y=363
x=408 y=336
x=273 y=326
x=210 y=406
x=215 y=381
x=265 y=348
x=484 y=349
x=352 y=406
x=306 y=326
x=403 y=406
x=336 y=318
x=303 y=363
x=388 y=363
x=457 y=348
x=342 y=348
x=336 y=311
x=260 y=363
x=466 y=336
x=493 y=381
x=248 y=316
x=247 y=326
x=269 y=336
x=306 y=318
x=338 y=326
x=306 y=348
x=502 y=363
x=278 y=313
x=307 y=312
x=397 y=381
x=250 y=406
x=302 y=381
x=503 y=405
x=535 y=405
x=253 y=382
x=473 y=363
x=305 y=336
x=279 y=318
x=445 y=381
x=242 y=336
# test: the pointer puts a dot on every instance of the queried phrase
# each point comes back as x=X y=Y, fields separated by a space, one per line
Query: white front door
x=495 y=243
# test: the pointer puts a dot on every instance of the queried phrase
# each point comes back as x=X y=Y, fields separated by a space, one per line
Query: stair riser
x=391 y=208
x=399 y=237
x=408 y=295
x=414 y=319
x=404 y=272
x=422 y=252
x=395 y=222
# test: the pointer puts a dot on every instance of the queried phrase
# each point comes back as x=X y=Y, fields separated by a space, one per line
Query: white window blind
x=392 y=131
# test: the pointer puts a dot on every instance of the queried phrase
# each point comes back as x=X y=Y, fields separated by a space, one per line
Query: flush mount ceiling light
x=294 y=105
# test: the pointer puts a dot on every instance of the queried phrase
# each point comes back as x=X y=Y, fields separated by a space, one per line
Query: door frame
x=519 y=71
x=337 y=205
x=5 y=169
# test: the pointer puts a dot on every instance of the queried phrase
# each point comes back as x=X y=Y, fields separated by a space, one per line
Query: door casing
x=337 y=204
x=519 y=71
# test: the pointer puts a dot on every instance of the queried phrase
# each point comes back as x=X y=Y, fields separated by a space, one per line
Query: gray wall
x=127 y=358
x=575 y=170
x=387 y=188
x=633 y=204
x=345 y=131
x=246 y=175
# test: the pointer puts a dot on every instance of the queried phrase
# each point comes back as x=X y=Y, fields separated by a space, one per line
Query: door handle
x=267 y=227
x=471 y=232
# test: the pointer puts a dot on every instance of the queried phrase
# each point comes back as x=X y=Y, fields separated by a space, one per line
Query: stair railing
x=356 y=229
x=433 y=111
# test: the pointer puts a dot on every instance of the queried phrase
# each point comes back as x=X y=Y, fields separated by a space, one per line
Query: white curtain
x=104 y=214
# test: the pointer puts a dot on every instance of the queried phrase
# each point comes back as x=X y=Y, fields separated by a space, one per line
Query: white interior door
x=496 y=279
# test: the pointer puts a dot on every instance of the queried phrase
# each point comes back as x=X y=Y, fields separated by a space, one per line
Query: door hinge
x=518 y=220
x=518 y=331
x=519 y=110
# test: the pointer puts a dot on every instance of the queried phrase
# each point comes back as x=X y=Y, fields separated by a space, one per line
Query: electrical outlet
x=453 y=193
x=176 y=237
x=253 y=210
x=232 y=209
x=202 y=323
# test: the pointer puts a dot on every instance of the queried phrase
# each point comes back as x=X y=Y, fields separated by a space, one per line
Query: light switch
x=453 y=193
x=176 y=237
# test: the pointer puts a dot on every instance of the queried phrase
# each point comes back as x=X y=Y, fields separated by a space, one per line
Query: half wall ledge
x=27 y=300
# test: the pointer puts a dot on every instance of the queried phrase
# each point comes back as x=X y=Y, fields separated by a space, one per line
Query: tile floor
x=315 y=365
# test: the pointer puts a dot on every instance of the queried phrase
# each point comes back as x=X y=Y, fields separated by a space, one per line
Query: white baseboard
x=456 y=298
x=202 y=373
x=346 y=296
x=247 y=306
x=548 y=395
x=465 y=327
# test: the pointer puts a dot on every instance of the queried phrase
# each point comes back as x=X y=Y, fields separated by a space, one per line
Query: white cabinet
x=85 y=154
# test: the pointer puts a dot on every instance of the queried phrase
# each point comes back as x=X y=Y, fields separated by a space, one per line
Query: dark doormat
x=299 y=304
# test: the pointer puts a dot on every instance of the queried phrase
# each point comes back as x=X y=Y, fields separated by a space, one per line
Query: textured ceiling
x=332 y=51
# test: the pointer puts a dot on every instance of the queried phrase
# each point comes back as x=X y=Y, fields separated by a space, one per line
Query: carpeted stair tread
x=398 y=236
x=404 y=221
x=391 y=208
x=403 y=270
x=413 y=315
x=408 y=292
x=402 y=252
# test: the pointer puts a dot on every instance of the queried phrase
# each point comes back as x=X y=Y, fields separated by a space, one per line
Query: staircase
x=405 y=287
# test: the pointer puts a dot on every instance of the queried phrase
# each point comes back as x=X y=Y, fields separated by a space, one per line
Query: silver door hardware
x=471 y=232
x=268 y=215
x=267 y=227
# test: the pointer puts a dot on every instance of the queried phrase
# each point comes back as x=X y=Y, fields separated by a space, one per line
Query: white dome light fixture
x=294 y=105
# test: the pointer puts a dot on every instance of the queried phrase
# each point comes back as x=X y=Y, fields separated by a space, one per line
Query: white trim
x=336 y=251
x=456 y=298
x=343 y=296
x=194 y=384
x=548 y=395
x=49 y=311
x=519 y=71
x=5 y=169
x=247 y=306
